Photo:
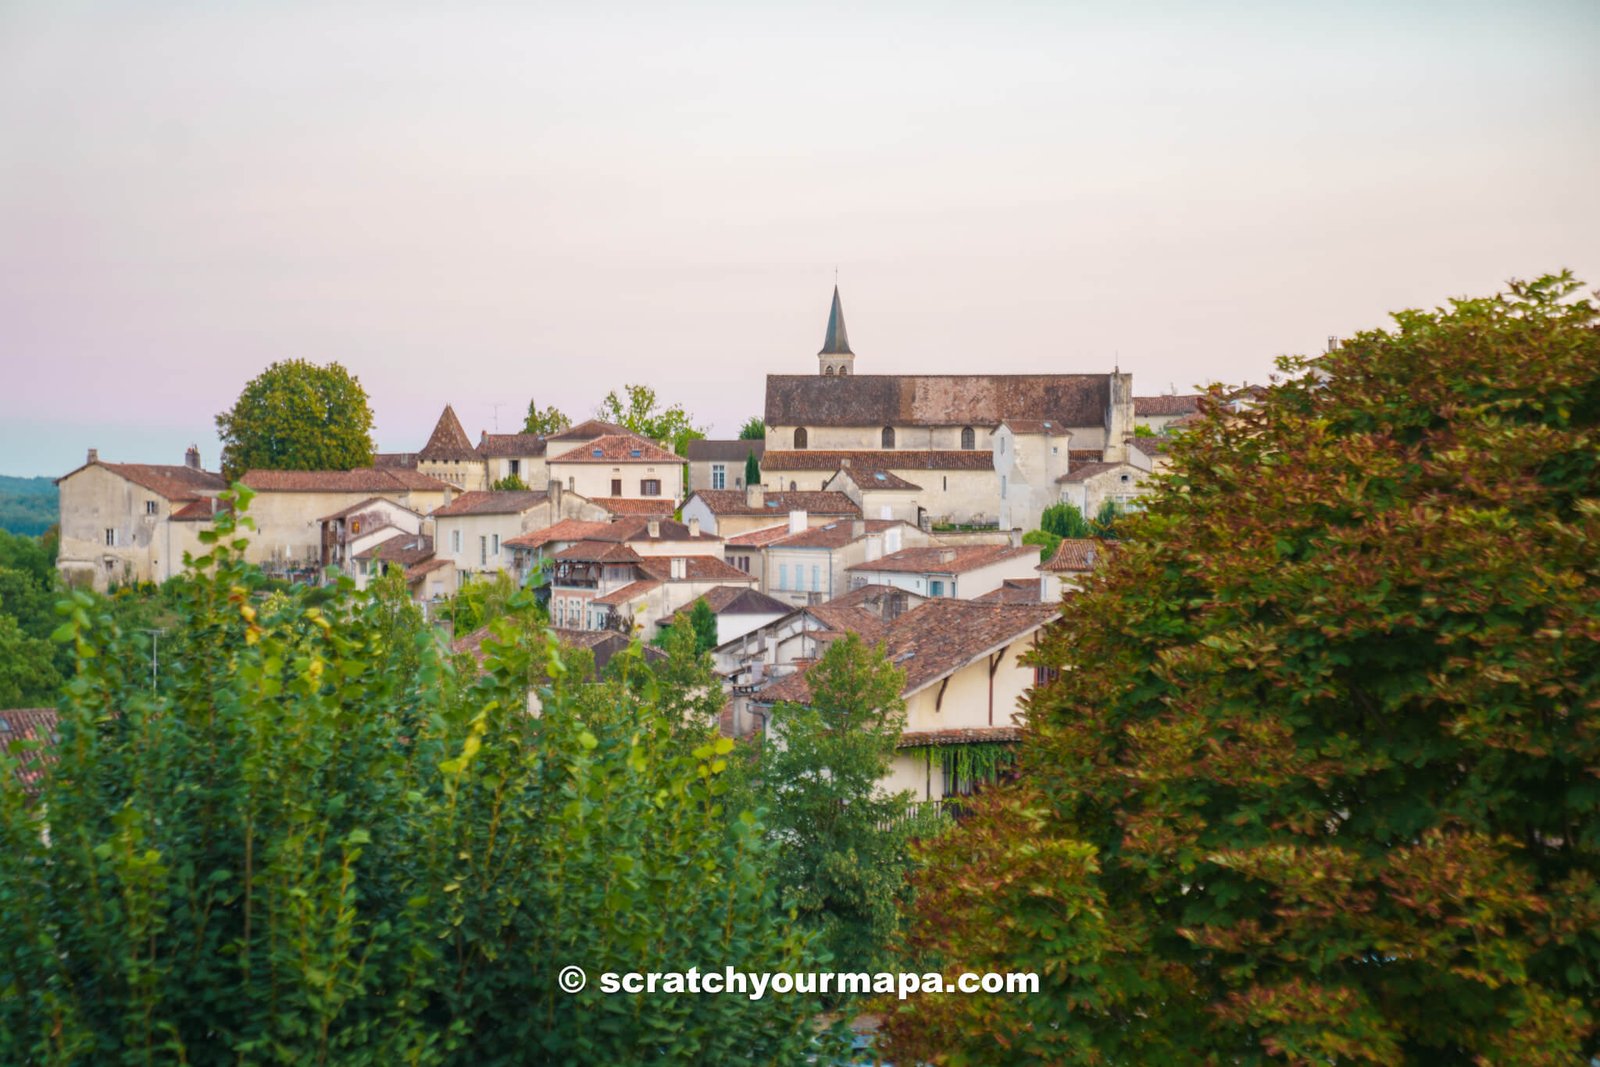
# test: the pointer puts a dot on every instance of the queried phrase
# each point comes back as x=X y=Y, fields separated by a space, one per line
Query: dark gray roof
x=977 y=400
x=725 y=451
x=837 y=342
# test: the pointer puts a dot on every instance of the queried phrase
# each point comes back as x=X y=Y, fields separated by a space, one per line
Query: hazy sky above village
x=476 y=203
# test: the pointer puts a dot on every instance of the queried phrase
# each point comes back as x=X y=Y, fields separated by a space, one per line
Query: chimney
x=874 y=547
x=755 y=496
x=694 y=527
x=891 y=540
x=449 y=493
x=947 y=555
x=191 y=458
x=797 y=521
x=1016 y=537
x=94 y=456
x=652 y=528
x=858 y=529
x=680 y=568
x=554 y=493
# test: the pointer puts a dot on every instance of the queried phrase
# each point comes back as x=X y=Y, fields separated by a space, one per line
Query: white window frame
x=719 y=476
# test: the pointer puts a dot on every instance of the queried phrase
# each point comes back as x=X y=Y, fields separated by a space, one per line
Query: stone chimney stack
x=94 y=456
x=1119 y=417
x=554 y=493
x=191 y=458
x=652 y=528
x=694 y=527
x=1016 y=537
x=797 y=521
x=755 y=496
x=680 y=568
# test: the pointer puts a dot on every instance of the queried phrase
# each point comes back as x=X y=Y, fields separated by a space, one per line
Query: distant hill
x=28 y=505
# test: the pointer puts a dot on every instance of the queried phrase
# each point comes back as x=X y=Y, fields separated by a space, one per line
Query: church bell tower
x=836 y=359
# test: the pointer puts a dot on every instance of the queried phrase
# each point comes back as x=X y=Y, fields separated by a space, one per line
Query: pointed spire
x=837 y=343
x=448 y=440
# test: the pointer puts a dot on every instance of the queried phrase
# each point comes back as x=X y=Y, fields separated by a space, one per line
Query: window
x=494 y=544
x=816 y=578
x=783 y=576
x=1045 y=675
x=794 y=487
x=969 y=438
x=150 y=505
x=455 y=541
x=800 y=437
x=572 y=484
x=616 y=487
x=828 y=371
x=843 y=371
x=111 y=537
x=935 y=587
x=719 y=476
x=483 y=551
x=516 y=467
x=650 y=487
x=888 y=437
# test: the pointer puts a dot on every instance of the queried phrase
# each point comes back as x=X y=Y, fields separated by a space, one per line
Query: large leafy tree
x=296 y=415
x=844 y=857
x=754 y=429
x=1320 y=783
x=544 y=421
x=315 y=840
x=640 y=410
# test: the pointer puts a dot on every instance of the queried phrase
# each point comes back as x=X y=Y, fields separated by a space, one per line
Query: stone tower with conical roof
x=450 y=455
x=836 y=359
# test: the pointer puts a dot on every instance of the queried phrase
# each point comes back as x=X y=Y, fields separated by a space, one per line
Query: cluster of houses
x=890 y=506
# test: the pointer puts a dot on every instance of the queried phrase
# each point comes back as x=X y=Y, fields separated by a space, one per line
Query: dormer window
x=888 y=437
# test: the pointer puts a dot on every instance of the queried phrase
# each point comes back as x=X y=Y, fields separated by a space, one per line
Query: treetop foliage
x=754 y=429
x=296 y=415
x=544 y=422
x=640 y=411
x=1319 y=781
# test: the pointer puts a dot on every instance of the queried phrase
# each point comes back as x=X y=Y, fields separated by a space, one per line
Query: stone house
x=1156 y=413
x=720 y=464
x=965 y=678
x=880 y=494
x=730 y=512
x=645 y=536
x=428 y=579
x=450 y=456
x=471 y=529
x=738 y=610
x=513 y=455
x=606 y=585
x=1071 y=563
x=619 y=466
x=961 y=572
x=811 y=564
x=352 y=530
x=1091 y=486
x=132 y=522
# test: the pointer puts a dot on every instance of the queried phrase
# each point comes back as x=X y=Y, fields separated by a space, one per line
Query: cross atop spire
x=837 y=342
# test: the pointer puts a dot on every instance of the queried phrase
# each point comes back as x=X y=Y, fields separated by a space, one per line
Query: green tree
x=296 y=415
x=28 y=675
x=509 y=483
x=1107 y=521
x=317 y=842
x=544 y=422
x=1065 y=520
x=844 y=853
x=703 y=621
x=642 y=413
x=752 y=468
x=1047 y=542
x=1318 y=783
x=754 y=429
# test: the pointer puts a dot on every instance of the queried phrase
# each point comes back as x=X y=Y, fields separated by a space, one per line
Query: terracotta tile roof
x=757 y=538
x=589 y=429
x=402 y=460
x=1185 y=422
x=174 y=482
x=737 y=600
x=1086 y=471
x=1012 y=591
x=736 y=502
x=403 y=548
x=500 y=502
x=1157 y=445
x=1077 y=554
x=201 y=510
x=834 y=534
x=724 y=451
x=29 y=724
x=505 y=445
x=902 y=460
x=426 y=567
x=696 y=569
x=877 y=479
x=618 y=448
x=1085 y=455
x=1032 y=426
x=598 y=552
x=941 y=559
x=629 y=506
x=364 y=505
x=936 y=399
x=361 y=480
x=448 y=440
x=1166 y=405
x=935 y=639
x=627 y=593
x=970 y=736
x=565 y=530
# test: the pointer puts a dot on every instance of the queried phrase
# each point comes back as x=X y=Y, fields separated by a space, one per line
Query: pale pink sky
x=477 y=203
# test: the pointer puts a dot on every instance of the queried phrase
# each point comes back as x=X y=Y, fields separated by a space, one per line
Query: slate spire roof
x=837 y=342
x=448 y=440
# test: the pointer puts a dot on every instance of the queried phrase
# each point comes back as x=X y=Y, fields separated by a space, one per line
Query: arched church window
x=843 y=371
x=794 y=486
x=888 y=437
x=827 y=372
x=969 y=439
x=799 y=437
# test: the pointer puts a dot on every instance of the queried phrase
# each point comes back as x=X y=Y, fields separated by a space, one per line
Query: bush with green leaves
x=316 y=841
x=1321 y=781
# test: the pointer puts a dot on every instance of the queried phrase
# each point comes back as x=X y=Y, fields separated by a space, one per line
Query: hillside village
x=888 y=506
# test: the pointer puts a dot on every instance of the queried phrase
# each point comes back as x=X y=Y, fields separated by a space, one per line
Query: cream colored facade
x=115 y=530
x=966 y=702
x=967 y=585
x=1027 y=465
x=288 y=522
x=804 y=574
x=473 y=542
x=597 y=480
x=947 y=496
x=1122 y=484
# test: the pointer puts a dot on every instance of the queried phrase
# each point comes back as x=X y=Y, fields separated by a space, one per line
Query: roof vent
x=635 y=453
x=598 y=452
